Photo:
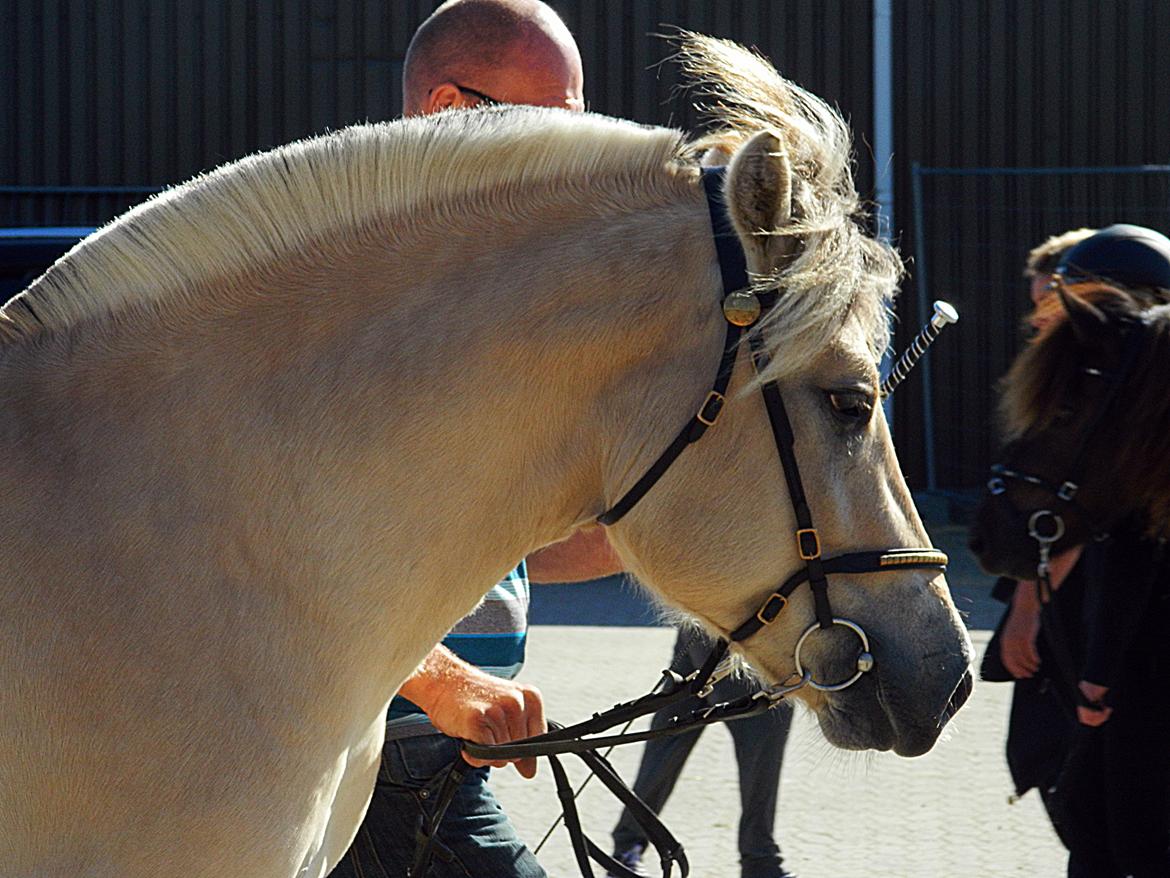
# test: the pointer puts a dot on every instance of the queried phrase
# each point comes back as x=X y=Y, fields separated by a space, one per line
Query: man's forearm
x=439 y=671
x=585 y=555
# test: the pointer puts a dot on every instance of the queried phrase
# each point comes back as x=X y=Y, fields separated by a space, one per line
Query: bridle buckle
x=1067 y=490
x=808 y=543
x=711 y=407
x=764 y=616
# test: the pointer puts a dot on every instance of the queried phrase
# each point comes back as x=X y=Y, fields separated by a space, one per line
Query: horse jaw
x=999 y=540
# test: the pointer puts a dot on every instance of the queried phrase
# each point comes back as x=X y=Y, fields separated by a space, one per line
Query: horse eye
x=850 y=407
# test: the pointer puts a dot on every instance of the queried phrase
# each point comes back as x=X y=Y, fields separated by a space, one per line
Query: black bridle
x=585 y=738
x=1046 y=525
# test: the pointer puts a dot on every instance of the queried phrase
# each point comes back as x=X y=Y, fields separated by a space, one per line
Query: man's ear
x=759 y=200
x=443 y=97
x=1086 y=319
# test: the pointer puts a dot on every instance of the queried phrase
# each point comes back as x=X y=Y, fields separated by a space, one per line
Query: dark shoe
x=631 y=858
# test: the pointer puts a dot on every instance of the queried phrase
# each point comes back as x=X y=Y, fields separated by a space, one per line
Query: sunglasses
x=485 y=99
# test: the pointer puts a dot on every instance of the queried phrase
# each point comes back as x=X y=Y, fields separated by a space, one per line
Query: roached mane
x=1137 y=434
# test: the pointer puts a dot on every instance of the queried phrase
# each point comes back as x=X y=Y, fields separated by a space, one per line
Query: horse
x=265 y=438
x=1084 y=414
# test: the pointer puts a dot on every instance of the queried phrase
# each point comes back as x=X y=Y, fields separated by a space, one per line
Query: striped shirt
x=492 y=638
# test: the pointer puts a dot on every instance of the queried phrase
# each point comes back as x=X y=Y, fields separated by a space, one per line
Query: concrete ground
x=841 y=815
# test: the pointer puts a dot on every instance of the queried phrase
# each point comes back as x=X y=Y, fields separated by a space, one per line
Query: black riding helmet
x=1132 y=256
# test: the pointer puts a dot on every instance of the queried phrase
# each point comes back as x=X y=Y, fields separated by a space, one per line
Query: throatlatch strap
x=732 y=261
x=733 y=270
x=692 y=432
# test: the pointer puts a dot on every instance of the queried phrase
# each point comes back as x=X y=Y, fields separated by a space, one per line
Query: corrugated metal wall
x=148 y=92
x=1013 y=83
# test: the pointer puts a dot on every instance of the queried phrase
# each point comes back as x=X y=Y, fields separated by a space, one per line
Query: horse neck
x=447 y=410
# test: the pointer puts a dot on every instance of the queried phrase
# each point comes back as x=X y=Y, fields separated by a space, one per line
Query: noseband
x=1046 y=525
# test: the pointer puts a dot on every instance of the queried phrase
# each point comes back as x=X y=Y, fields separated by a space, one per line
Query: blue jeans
x=475 y=839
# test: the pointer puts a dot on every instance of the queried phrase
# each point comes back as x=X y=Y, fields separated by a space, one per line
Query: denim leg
x=759 y=753
x=474 y=840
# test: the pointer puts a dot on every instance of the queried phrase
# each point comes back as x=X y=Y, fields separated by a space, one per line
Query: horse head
x=730 y=525
x=1083 y=417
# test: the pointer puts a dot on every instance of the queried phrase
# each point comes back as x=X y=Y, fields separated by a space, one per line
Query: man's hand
x=1061 y=566
x=1090 y=716
x=464 y=702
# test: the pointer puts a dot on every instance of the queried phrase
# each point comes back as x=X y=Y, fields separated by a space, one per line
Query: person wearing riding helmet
x=1110 y=798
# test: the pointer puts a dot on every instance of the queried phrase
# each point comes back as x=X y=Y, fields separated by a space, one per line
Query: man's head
x=505 y=51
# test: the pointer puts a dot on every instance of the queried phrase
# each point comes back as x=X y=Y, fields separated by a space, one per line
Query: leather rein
x=742 y=307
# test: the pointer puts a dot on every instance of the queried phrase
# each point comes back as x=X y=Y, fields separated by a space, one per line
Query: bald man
x=467 y=54
x=471 y=52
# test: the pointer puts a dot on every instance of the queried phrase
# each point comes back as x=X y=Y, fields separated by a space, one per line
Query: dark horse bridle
x=742 y=308
x=1046 y=525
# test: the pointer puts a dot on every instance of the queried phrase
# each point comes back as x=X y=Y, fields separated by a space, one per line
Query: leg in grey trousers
x=759 y=751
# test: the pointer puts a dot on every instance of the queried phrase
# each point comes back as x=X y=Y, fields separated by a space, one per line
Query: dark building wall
x=1013 y=83
x=149 y=92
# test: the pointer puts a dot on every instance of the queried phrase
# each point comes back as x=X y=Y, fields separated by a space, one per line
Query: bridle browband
x=742 y=307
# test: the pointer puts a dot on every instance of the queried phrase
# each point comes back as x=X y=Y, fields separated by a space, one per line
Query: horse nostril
x=975 y=544
x=959 y=696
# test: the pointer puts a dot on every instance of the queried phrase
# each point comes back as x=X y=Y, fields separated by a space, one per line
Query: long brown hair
x=1046 y=380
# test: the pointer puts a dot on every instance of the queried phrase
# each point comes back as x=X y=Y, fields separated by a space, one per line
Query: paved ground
x=842 y=815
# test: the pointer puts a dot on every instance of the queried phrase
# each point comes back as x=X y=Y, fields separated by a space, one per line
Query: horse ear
x=1087 y=320
x=759 y=201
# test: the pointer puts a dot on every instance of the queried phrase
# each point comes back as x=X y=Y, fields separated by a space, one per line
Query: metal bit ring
x=865 y=660
x=1057 y=526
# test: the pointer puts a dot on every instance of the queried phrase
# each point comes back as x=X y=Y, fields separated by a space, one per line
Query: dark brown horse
x=1086 y=419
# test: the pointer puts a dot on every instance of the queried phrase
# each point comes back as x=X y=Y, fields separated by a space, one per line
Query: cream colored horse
x=264 y=439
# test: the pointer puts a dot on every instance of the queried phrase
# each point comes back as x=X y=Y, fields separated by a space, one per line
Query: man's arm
x=585 y=555
x=463 y=702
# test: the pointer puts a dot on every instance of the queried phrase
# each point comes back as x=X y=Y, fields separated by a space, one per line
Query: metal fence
x=973 y=230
